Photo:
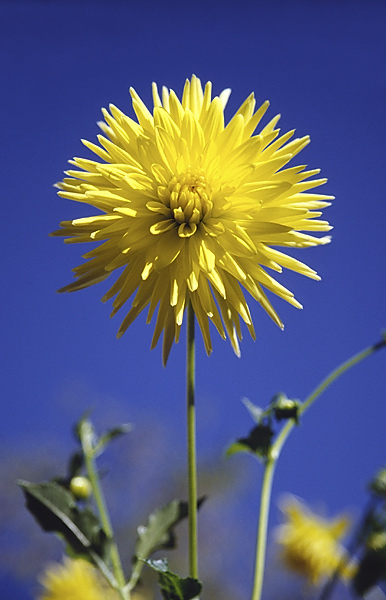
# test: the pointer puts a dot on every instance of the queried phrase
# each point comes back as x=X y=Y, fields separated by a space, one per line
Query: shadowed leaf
x=257 y=443
x=172 y=586
x=55 y=509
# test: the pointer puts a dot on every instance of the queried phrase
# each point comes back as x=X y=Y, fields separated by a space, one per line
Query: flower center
x=188 y=198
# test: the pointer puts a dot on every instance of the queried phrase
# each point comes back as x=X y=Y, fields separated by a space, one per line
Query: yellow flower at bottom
x=310 y=544
x=75 y=579
x=190 y=209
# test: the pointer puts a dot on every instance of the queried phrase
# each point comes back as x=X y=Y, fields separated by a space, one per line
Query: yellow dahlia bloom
x=190 y=209
x=75 y=580
x=310 y=544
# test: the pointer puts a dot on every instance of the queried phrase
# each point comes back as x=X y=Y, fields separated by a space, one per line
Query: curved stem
x=275 y=453
x=324 y=384
x=191 y=442
x=261 y=543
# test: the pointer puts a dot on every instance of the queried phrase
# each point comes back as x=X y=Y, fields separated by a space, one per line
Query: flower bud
x=81 y=487
x=285 y=408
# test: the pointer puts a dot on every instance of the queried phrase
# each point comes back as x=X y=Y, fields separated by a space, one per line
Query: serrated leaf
x=172 y=586
x=55 y=509
x=158 y=533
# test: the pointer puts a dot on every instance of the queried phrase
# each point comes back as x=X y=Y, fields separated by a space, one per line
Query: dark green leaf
x=172 y=586
x=258 y=442
x=55 y=509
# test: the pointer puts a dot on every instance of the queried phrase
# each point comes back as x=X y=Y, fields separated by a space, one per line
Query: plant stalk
x=191 y=445
x=265 y=498
x=274 y=454
x=100 y=502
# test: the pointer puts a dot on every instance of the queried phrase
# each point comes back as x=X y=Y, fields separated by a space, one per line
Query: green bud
x=81 y=487
x=285 y=408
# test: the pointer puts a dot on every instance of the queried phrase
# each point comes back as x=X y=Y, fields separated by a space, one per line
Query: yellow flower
x=310 y=544
x=75 y=580
x=190 y=209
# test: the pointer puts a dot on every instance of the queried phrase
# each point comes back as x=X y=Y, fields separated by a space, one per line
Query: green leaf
x=172 y=586
x=93 y=444
x=55 y=509
x=111 y=434
x=158 y=534
x=257 y=443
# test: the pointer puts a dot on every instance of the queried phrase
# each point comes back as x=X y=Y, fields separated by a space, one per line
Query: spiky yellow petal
x=74 y=579
x=190 y=209
x=311 y=544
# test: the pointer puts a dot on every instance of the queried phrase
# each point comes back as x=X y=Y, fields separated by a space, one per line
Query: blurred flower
x=311 y=545
x=75 y=579
x=191 y=209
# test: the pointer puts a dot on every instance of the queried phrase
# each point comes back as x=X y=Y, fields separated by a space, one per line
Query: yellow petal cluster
x=310 y=544
x=190 y=210
x=74 y=579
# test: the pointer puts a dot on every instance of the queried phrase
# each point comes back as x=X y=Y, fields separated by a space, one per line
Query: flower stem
x=324 y=384
x=261 y=544
x=274 y=454
x=100 y=502
x=191 y=441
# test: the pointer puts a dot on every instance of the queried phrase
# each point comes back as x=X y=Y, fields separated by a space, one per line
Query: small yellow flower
x=190 y=209
x=310 y=544
x=75 y=579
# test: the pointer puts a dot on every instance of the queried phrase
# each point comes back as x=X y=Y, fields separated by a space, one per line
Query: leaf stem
x=92 y=472
x=191 y=445
x=274 y=454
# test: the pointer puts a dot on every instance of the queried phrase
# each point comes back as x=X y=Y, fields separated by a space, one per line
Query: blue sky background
x=321 y=65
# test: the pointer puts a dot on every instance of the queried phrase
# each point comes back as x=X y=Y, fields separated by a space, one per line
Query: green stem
x=274 y=454
x=335 y=374
x=191 y=441
x=89 y=457
x=269 y=469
